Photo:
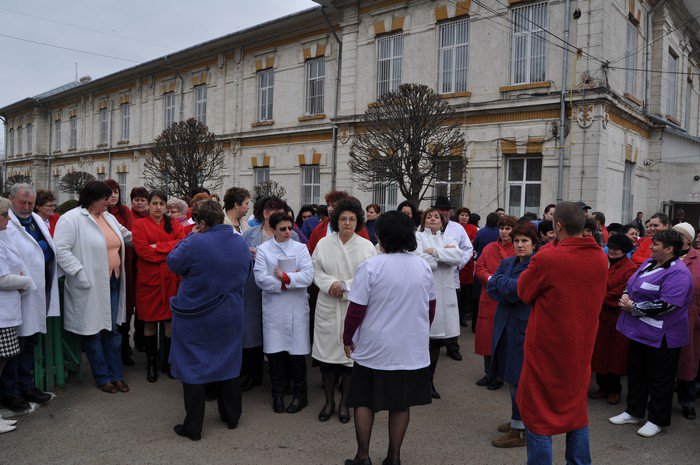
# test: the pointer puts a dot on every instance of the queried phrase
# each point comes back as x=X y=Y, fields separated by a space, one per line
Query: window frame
x=313 y=188
x=631 y=59
x=104 y=126
x=122 y=183
x=261 y=174
x=627 y=192
x=315 y=86
x=672 y=97
x=125 y=116
x=20 y=142
x=73 y=127
x=265 y=94
x=449 y=183
x=57 y=142
x=393 y=62
x=523 y=184
x=453 y=50
x=688 y=105
x=200 y=103
x=56 y=190
x=529 y=31
x=30 y=137
x=10 y=146
x=168 y=109
x=385 y=192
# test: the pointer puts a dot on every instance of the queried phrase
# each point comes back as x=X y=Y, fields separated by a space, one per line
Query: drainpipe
x=48 y=152
x=562 y=105
x=109 y=149
x=4 y=159
x=182 y=87
x=647 y=68
x=336 y=104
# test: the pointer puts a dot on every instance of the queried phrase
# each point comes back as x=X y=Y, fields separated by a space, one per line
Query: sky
x=128 y=29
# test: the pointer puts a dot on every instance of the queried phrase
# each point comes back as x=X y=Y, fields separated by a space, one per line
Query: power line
x=68 y=48
x=85 y=28
x=639 y=48
x=655 y=71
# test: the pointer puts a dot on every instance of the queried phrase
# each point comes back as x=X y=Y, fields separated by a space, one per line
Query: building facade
x=285 y=97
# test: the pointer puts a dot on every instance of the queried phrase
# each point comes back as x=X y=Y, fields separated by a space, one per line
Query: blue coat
x=510 y=322
x=484 y=237
x=207 y=326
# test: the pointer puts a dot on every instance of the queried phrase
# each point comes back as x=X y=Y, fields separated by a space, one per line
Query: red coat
x=565 y=286
x=466 y=274
x=643 y=251
x=52 y=223
x=320 y=231
x=486 y=266
x=690 y=354
x=155 y=283
x=130 y=259
x=610 y=352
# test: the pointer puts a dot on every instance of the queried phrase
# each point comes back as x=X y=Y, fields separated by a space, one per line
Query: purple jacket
x=671 y=284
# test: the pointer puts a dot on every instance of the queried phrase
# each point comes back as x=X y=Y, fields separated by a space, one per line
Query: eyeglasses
x=347 y=219
x=285 y=228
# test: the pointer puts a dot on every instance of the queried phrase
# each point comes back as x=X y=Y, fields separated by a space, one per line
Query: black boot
x=151 y=358
x=165 y=366
x=139 y=338
x=126 y=348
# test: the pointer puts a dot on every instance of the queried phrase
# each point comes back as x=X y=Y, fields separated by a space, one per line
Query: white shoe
x=6 y=428
x=648 y=430
x=624 y=419
x=8 y=422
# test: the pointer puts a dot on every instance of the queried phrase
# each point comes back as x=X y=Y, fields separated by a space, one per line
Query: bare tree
x=185 y=156
x=266 y=188
x=17 y=179
x=73 y=182
x=405 y=139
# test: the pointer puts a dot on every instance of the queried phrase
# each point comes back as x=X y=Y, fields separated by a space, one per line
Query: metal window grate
x=73 y=132
x=310 y=184
x=200 y=104
x=627 y=193
x=19 y=140
x=389 y=57
x=454 y=53
x=315 y=79
x=631 y=61
x=529 y=48
x=672 y=79
x=261 y=175
x=57 y=135
x=266 y=87
x=449 y=180
x=104 y=126
x=126 y=110
x=30 y=137
x=169 y=109
x=524 y=185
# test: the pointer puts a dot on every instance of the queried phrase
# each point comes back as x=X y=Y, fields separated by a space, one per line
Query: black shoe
x=689 y=413
x=343 y=417
x=127 y=361
x=455 y=355
x=433 y=393
x=278 y=404
x=35 y=395
x=180 y=431
x=247 y=385
x=296 y=405
x=464 y=323
x=366 y=461
x=16 y=404
x=485 y=381
x=494 y=385
x=391 y=461
x=325 y=414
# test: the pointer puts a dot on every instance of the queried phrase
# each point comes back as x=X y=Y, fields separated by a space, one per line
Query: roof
x=57 y=90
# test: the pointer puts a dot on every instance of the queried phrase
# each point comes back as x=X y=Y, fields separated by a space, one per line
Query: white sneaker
x=624 y=419
x=8 y=422
x=6 y=428
x=648 y=430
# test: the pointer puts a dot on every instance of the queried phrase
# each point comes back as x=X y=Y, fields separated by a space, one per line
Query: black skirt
x=392 y=390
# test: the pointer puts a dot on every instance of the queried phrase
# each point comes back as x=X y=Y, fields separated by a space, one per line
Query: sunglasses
x=285 y=228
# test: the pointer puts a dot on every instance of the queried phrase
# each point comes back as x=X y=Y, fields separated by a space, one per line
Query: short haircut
x=626 y=228
x=424 y=217
x=549 y=207
x=492 y=219
x=235 y=195
x=670 y=238
x=199 y=190
x=614 y=228
x=527 y=230
x=463 y=210
x=474 y=219
x=507 y=221
x=93 y=191
x=43 y=196
x=640 y=213
x=23 y=186
x=499 y=209
x=258 y=207
x=599 y=217
x=137 y=192
x=349 y=204
x=394 y=231
x=373 y=206
x=278 y=218
x=4 y=205
x=198 y=198
x=208 y=211
x=662 y=217
x=335 y=196
x=590 y=224
x=545 y=226
x=531 y=216
x=571 y=216
x=274 y=203
x=178 y=204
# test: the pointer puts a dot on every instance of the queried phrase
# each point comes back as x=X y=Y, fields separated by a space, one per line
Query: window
x=30 y=136
x=627 y=195
x=688 y=99
x=20 y=141
x=529 y=51
x=672 y=79
x=56 y=190
x=454 y=48
x=10 y=142
x=631 y=61
x=200 y=104
x=266 y=87
x=261 y=175
x=310 y=184
x=389 y=56
x=101 y=176
x=169 y=105
x=125 y=109
x=385 y=192
x=57 y=135
x=73 y=132
x=524 y=185
x=121 y=179
x=449 y=179
x=315 y=78
x=104 y=126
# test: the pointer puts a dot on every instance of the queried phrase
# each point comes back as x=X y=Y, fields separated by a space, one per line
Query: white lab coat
x=456 y=231
x=443 y=261
x=80 y=245
x=11 y=263
x=285 y=313
x=335 y=261
x=35 y=308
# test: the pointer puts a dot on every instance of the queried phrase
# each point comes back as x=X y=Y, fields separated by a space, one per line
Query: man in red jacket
x=565 y=285
x=323 y=227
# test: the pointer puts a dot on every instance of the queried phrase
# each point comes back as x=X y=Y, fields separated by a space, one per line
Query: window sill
x=56 y=152
x=123 y=142
x=312 y=117
x=456 y=94
x=72 y=150
x=674 y=120
x=531 y=85
x=632 y=98
x=28 y=154
x=99 y=146
x=258 y=124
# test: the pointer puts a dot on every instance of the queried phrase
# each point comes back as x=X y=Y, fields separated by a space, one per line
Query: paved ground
x=84 y=425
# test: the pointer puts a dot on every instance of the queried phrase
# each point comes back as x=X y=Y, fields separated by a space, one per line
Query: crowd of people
x=209 y=292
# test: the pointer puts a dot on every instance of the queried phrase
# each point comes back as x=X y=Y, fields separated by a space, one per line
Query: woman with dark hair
x=442 y=254
x=90 y=246
x=655 y=319
x=406 y=207
x=336 y=259
x=236 y=202
x=609 y=360
x=509 y=327
x=115 y=207
x=486 y=265
x=207 y=312
x=45 y=207
x=373 y=211
x=305 y=212
x=283 y=270
x=466 y=274
x=392 y=302
x=139 y=209
x=154 y=238
x=290 y=213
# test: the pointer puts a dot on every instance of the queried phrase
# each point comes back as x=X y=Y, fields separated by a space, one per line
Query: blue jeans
x=18 y=375
x=515 y=420
x=103 y=350
x=539 y=448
